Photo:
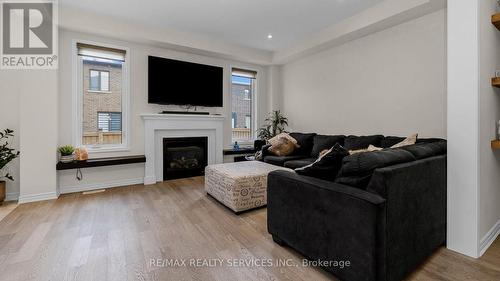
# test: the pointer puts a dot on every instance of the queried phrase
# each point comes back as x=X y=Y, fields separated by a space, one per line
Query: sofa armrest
x=265 y=151
x=415 y=220
x=327 y=221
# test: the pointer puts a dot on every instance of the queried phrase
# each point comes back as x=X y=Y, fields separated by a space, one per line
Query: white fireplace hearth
x=160 y=126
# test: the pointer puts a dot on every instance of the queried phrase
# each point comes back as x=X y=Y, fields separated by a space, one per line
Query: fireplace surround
x=160 y=126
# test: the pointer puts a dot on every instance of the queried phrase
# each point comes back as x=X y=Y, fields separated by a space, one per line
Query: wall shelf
x=495 y=144
x=495 y=82
x=100 y=162
x=495 y=20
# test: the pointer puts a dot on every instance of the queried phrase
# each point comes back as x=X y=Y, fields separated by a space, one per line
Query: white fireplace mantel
x=159 y=126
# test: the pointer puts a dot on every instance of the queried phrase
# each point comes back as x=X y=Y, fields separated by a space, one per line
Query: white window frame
x=253 y=97
x=77 y=98
x=100 y=90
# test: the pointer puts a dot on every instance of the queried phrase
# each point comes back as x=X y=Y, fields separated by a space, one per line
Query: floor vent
x=93 y=191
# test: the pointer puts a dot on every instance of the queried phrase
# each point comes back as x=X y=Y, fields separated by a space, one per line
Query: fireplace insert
x=184 y=157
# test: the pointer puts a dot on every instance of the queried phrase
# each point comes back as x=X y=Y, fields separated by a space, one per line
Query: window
x=242 y=93
x=233 y=120
x=99 y=80
x=109 y=121
x=101 y=118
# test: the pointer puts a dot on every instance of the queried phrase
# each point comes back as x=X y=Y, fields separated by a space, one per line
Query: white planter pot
x=67 y=158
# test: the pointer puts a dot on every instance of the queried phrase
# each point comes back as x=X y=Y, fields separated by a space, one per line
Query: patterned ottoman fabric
x=241 y=185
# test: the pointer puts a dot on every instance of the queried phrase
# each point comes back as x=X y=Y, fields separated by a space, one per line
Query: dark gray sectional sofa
x=385 y=212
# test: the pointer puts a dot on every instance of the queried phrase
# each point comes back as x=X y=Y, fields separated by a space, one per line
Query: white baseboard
x=37 y=197
x=94 y=186
x=489 y=238
x=149 y=180
x=13 y=196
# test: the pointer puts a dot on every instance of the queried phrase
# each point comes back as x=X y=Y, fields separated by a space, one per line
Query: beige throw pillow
x=408 y=141
x=369 y=149
x=274 y=140
x=282 y=147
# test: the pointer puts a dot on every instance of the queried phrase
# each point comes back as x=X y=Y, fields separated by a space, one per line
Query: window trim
x=99 y=81
x=77 y=100
x=254 y=97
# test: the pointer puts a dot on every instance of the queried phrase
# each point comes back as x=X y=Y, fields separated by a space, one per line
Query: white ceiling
x=243 y=22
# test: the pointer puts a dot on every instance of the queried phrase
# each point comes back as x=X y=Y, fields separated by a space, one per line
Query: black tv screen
x=184 y=83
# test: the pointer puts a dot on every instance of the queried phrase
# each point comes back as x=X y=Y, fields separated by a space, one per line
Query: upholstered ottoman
x=241 y=185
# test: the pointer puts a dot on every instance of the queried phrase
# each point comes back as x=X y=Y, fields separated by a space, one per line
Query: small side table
x=240 y=154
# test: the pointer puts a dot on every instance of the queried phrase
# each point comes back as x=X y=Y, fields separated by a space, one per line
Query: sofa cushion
x=428 y=140
x=424 y=150
x=389 y=141
x=322 y=142
x=294 y=164
x=362 y=142
x=280 y=160
x=357 y=169
x=327 y=166
x=305 y=141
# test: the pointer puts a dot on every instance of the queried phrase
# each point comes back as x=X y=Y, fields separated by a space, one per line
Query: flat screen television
x=184 y=83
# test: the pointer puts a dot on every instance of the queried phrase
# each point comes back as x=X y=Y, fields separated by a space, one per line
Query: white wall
x=489 y=112
x=138 y=92
x=29 y=106
x=463 y=121
x=9 y=118
x=391 y=82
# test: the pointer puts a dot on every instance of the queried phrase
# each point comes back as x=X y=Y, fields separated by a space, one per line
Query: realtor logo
x=29 y=31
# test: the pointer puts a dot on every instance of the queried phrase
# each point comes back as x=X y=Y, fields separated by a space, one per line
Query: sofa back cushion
x=362 y=142
x=326 y=166
x=305 y=142
x=357 y=169
x=428 y=140
x=389 y=141
x=324 y=142
x=425 y=150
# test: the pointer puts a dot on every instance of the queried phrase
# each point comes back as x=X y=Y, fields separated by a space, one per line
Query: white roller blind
x=244 y=73
x=100 y=52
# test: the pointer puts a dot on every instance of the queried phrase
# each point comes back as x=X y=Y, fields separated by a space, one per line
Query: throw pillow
x=326 y=166
x=369 y=149
x=408 y=141
x=275 y=140
x=283 y=147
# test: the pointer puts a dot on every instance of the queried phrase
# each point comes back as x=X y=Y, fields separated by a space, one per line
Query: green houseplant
x=66 y=153
x=7 y=154
x=275 y=125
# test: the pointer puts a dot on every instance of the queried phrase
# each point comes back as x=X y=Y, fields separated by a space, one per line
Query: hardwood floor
x=126 y=233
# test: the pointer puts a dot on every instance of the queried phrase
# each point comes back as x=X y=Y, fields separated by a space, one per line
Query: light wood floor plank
x=116 y=234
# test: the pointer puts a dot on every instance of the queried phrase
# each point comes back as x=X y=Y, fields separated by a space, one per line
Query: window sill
x=243 y=143
x=99 y=92
x=104 y=149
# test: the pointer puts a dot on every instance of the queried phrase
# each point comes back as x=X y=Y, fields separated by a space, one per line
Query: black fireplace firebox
x=184 y=157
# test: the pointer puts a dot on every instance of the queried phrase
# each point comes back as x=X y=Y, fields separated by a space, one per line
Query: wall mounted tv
x=184 y=83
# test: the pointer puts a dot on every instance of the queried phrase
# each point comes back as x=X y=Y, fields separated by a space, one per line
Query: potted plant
x=275 y=125
x=7 y=154
x=66 y=153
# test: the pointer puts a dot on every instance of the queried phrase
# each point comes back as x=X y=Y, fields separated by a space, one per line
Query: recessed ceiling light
x=269 y=36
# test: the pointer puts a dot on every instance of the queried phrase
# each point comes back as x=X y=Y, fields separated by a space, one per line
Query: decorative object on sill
x=67 y=155
x=81 y=154
x=79 y=175
x=7 y=154
x=275 y=125
x=236 y=146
